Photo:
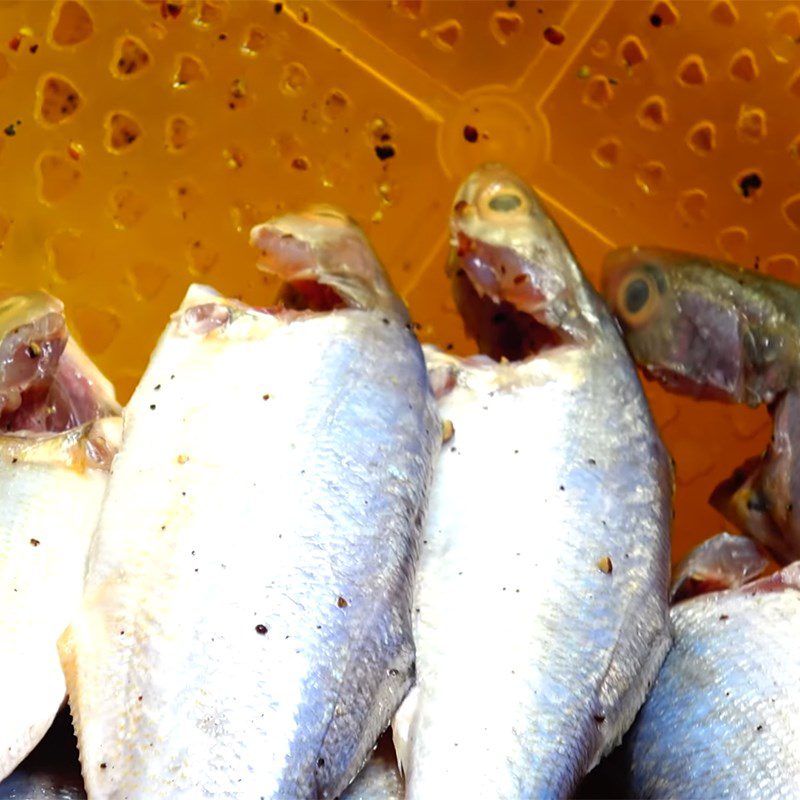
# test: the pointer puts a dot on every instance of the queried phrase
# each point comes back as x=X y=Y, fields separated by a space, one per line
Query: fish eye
x=502 y=202
x=505 y=202
x=637 y=294
x=638 y=298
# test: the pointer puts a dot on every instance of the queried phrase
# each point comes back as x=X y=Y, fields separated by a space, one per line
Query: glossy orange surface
x=142 y=139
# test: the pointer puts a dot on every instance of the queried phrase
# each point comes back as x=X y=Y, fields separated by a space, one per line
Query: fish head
x=510 y=257
x=679 y=318
x=33 y=335
x=326 y=260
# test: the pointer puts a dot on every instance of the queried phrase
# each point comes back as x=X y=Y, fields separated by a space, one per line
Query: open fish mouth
x=325 y=261
x=502 y=330
x=47 y=383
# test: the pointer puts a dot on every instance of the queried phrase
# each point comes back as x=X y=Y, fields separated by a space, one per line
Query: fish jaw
x=33 y=335
x=326 y=258
x=720 y=720
x=538 y=717
x=263 y=584
x=722 y=562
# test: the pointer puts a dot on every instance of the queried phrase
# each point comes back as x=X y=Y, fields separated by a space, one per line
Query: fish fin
x=721 y=562
x=401 y=728
x=759 y=498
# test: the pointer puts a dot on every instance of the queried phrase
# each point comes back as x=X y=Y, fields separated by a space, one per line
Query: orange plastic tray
x=142 y=139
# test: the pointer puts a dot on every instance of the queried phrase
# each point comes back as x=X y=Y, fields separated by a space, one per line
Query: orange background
x=146 y=138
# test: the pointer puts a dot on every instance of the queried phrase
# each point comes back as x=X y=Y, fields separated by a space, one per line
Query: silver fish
x=56 y=446
x=247 y=629
x=721 y=720
x=541 y=602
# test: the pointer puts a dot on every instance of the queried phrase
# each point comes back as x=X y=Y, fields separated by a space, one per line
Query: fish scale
x=265 y=613
x=721 y=720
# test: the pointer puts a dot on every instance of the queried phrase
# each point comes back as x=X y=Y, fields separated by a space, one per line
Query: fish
x=59 y=429
x=246 y=630
x=705 y=328
x=721 y=720
x=541 y=600
x=712 y=330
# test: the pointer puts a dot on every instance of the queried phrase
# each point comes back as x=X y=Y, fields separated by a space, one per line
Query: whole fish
x=713 y=330
x=541 y=602
x=247 y=628
x=60 y=428
x=721 y=720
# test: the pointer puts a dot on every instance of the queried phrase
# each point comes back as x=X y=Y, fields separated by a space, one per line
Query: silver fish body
x=247 y=628
x=721 y=720
x=541 y=602
x=55 y=453
x=51 y=488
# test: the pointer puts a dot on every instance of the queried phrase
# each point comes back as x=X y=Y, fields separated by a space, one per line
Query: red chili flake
x=384 y=151
x=103 y=765
x=33 y=48
x=15 y=42
x=470 y=133
x=261 y=629
x=35 y=542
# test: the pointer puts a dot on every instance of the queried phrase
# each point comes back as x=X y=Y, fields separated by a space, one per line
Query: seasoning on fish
x=534 y=653
x=60 y=427
x=721 y=719
x=247 y=630
x=714 y=330
x=721 y=562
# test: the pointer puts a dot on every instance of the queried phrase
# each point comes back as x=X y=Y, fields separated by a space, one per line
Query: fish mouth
x=511 y=322
x=286 y=253
x=326 y=263
x=47 y=384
